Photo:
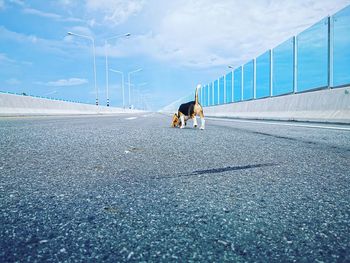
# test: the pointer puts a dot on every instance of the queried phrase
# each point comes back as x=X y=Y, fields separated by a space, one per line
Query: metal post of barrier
x=295 y=64
x=211 y=99
x=232 y=86
x=242 y=84
x=212 y=90
x=254 y=78
x=208 y=94
x=218 y=87
x=225 y=89
x=271 y=72
x=330 y=51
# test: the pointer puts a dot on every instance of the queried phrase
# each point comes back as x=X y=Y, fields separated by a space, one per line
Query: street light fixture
x=94 y=52
x=132 y=72
x=106 y=54
x=122 y=73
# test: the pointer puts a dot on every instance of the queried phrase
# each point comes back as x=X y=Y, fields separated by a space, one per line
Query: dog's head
x=176 y=121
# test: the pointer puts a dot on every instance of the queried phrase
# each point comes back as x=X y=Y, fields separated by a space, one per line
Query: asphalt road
x=130 y=188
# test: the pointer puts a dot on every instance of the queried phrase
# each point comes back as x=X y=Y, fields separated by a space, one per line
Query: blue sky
x=177 y=43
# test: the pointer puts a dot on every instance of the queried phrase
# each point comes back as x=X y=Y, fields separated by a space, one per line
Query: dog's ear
x=175 y=120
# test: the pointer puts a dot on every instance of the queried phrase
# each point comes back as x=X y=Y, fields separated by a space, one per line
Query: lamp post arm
x=94 y=54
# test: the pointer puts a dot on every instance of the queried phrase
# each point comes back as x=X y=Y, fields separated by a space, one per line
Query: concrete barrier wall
x=17 y=105
x=330 y=105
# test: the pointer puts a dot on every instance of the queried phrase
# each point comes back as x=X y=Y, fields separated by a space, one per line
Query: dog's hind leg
x=202 y=120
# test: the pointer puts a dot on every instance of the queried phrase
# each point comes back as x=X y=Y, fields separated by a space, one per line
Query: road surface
x=130 y=188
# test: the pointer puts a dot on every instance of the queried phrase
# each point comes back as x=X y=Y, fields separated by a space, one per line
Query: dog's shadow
x=186 y=129
x=213 y=171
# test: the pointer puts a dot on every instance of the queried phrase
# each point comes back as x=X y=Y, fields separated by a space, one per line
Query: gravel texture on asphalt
x=112 y=189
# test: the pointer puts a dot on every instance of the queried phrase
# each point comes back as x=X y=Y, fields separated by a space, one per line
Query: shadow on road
x=217 y=170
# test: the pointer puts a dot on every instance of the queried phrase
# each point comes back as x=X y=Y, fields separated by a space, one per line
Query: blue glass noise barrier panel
x=283 y=68
x=312 y=57
x=211 y=96
x=248 y=81
x=229 y=87
x=204 y=96
x=263 y=75
x=216 y=92
x=199 y=95
x=237 y=88
x=221 y=90
x=206 y=92
x=341 y=47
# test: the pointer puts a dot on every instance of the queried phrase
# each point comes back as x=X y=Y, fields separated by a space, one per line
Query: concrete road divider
x=329 y=105
x=18 y=105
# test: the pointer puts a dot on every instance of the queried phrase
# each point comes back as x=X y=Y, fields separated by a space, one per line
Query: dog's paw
x=181 y=127
x=202 y=128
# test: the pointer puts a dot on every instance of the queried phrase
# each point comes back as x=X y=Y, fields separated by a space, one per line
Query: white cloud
x=227 y=32
x=64 y=82
x=210 y=33
x=115 y=12
x=67 y=82
x=18 y=37
x=13 y=81
x=36 y=12
x=65 y=2
x=52 y=46
x=5 y=59
x=193 y=33
x=51 y=93
x=92 y=22
x=17 y=2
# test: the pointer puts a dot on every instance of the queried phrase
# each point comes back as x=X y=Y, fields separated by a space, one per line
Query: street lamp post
x=122 y=73
x=129 y=74
x=94 y=53
x=106 y=54
x=138 y=91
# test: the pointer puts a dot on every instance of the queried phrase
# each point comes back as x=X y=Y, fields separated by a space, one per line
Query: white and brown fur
x=188 y=111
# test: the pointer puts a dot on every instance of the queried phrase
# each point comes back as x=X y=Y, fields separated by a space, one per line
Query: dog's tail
x=196 y=96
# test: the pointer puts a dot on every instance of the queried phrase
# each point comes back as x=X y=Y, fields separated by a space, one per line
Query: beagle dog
x=188 y=111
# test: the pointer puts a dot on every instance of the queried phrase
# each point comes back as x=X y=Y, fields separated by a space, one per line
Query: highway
x=128 y=188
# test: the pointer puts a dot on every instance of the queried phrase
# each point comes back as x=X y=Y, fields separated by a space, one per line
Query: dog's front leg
x=182 y=122
x=202 y=123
